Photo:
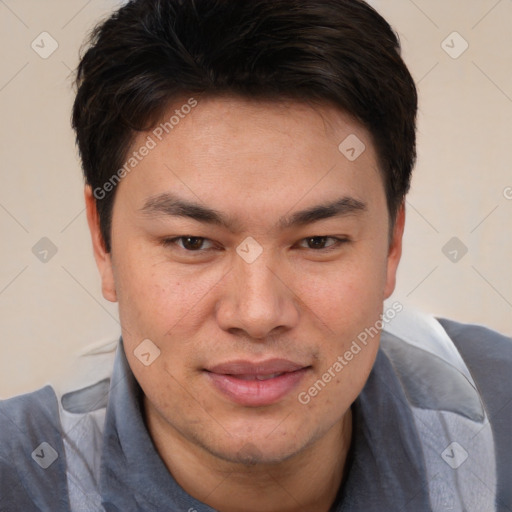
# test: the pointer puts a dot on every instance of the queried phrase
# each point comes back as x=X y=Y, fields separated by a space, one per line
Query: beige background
x=462 y=185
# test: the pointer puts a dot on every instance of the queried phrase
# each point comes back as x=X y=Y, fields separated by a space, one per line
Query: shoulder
x=32 y=461
x=463 y=333
x=25 y=416
x=52 y=432
x=488 y=356
x=83 y=389
x=457 y=379
x=487 y=353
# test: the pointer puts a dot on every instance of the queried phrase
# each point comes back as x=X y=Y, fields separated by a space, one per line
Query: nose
x=257 y=302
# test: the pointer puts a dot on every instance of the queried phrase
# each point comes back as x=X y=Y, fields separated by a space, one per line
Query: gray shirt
x=386 y=464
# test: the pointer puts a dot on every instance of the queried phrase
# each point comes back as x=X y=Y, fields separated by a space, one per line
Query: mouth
x=258 y=377
x=256 y=384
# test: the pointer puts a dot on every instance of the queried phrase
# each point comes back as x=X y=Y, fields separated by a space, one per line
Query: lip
x=239 y=380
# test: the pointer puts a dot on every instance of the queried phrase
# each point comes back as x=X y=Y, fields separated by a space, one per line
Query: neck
x=309 y=480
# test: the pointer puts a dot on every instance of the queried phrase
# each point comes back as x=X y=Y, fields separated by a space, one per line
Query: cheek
x=144 y=294
x=346 y=304
x=154 y=296
x=347 y=295
x=346 y=353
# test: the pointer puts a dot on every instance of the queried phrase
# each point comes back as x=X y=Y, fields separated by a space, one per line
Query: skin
x=255 y=163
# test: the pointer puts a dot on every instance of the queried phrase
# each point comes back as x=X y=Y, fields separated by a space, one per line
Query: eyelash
x=167 y=242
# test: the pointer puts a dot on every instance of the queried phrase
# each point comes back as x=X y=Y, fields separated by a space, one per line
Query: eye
x=189 y=243
x=322 y=243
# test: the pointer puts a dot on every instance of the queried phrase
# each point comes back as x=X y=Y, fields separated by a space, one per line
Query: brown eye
x=321 y=242
x=317 y=242
x=192 y=243
x=189 y=243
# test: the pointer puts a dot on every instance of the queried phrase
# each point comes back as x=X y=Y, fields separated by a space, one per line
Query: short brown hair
x=150 y=52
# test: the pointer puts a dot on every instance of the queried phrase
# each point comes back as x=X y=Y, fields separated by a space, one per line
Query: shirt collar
x=132 y=475
x=386 y=469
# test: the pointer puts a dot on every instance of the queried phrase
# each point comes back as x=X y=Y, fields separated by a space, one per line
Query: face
x=252 y=253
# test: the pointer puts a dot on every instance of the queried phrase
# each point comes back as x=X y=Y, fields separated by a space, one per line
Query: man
x=246 y=164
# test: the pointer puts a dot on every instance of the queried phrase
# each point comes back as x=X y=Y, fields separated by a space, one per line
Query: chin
x=267 y=446
x=255 y=453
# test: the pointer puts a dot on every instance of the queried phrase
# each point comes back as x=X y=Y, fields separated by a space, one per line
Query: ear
x=395 y=251
x=102 y=257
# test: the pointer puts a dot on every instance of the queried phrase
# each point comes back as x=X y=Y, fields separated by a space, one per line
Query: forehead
x=295 y=126
x=253 y=151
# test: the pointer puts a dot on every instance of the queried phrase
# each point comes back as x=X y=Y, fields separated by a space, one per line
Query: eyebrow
x=167 y=204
